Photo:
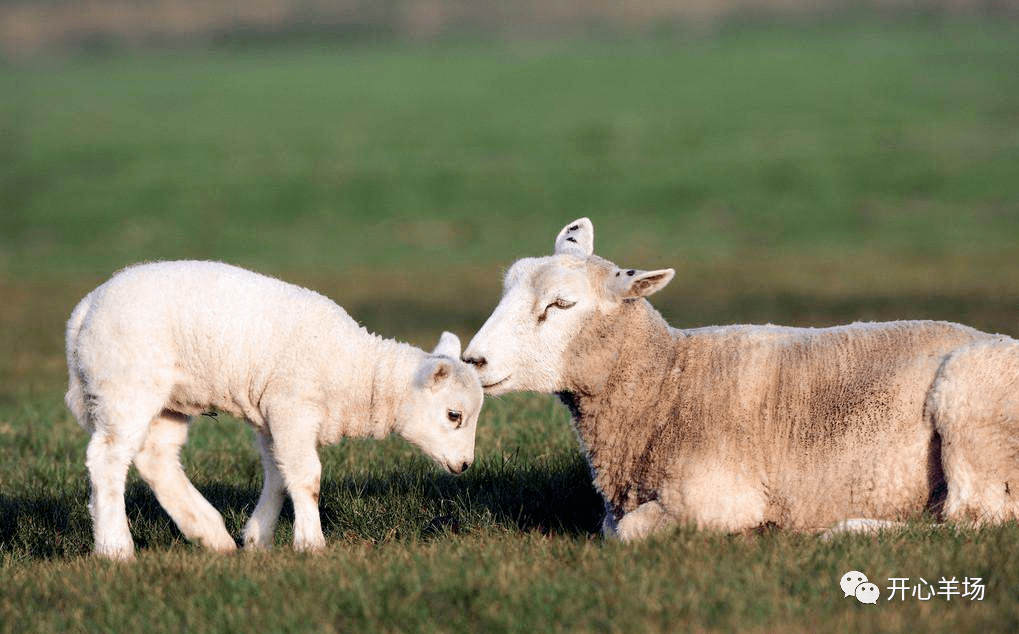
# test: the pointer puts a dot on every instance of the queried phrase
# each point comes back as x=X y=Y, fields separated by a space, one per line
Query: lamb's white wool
x=731 y=427
x=159 y=343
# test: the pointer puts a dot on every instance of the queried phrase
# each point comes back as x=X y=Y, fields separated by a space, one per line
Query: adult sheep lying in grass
x=159 y=343
x=734 y=427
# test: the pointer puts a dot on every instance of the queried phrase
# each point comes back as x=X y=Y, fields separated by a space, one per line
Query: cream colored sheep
x=159 y=343
x=733 y=427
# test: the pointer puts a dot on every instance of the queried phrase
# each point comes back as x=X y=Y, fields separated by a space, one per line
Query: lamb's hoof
x=310 y=546
x=114 y=553
x=221 y=546
x=253 y=544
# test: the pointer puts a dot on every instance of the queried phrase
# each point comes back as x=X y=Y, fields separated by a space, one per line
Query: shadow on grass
x=551 y=496
x=415 y=501
x=43 y=527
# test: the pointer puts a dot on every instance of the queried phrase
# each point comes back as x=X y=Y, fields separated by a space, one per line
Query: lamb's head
x=440 y=413
x=546 y=303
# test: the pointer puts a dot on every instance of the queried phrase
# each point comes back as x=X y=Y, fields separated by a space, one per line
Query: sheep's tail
x=75 y=397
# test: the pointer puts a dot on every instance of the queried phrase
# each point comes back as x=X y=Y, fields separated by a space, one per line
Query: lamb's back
x=213 y=329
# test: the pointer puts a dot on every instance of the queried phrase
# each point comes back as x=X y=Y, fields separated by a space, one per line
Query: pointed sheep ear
x=635 y=283
x=449 y=346
x=576 y=238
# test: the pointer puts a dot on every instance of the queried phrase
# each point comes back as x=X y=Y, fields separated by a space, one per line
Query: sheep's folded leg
x=860 y=525
x=642 y=521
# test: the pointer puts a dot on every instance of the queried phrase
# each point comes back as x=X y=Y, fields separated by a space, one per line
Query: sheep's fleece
x=734 y=427
x=159 y=343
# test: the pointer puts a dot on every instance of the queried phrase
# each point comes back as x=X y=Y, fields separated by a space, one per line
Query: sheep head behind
x=530 y=341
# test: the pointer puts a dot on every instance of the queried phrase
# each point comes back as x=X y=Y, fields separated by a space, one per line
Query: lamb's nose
x=478 y=362
x=457 y=470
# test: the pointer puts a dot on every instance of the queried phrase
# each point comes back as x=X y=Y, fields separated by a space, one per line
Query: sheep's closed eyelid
x=559 y=303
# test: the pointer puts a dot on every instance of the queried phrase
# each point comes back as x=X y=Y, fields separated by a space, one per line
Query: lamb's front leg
x=294 y=438
x=260 y=530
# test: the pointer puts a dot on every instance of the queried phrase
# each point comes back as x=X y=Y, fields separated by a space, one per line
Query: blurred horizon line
x=29 y=27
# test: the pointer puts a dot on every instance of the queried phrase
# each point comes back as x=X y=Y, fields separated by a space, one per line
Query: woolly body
x=733 y=427
x=160 y=342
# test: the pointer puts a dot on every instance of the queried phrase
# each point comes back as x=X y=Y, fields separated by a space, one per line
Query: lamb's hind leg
x=119 y=432
x=108 y=461
x=159 y=465
x=974 y=406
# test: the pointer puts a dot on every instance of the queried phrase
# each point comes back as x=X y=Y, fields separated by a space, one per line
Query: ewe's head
x=440 y=414
x=545 y=303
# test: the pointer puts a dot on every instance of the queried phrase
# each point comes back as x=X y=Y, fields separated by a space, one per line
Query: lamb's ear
x=576 y=238
x=441 y=370
x=636 y=283
x=434 y=371
x=449 y=346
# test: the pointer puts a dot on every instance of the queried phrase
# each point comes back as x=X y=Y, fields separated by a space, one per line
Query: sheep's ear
x=576 y=238
x=637 y=283
x=449 y=346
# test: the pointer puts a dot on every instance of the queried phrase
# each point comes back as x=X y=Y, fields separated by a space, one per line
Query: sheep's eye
x=558 y=303
x=455 y=416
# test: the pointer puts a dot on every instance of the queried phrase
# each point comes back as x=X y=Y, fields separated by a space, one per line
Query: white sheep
x=734 y=427
x=159 y=343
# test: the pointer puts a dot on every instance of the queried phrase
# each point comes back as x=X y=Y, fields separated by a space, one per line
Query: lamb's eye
x=455 y=416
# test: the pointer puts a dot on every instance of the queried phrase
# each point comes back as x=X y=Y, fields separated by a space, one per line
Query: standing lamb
x=159 y=343
x=733 y=427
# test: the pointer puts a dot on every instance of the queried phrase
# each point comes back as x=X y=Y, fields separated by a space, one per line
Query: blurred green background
x=824 y=163
x=808 y=163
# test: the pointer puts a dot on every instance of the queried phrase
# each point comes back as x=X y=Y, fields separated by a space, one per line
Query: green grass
x=808 y=174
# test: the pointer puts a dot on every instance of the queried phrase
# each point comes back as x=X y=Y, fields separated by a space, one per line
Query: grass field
x=803 y=174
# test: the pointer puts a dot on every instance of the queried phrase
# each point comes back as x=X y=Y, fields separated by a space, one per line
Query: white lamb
x=732 y=427
x=159 y=343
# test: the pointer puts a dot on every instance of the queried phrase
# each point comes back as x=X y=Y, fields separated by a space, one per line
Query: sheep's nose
x=464 y=467
x=478 y=362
